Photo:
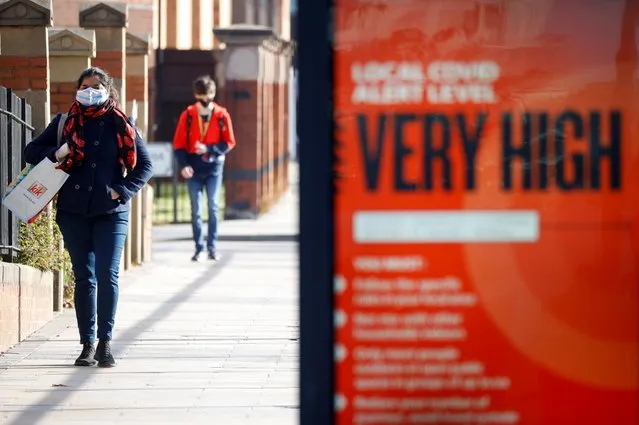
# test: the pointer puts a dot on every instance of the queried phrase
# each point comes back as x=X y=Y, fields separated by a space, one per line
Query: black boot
x=103 y=354
x=196 y=256
x=86 y=356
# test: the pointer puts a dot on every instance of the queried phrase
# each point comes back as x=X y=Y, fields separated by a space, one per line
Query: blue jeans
x=95 y=246
x=213 y=184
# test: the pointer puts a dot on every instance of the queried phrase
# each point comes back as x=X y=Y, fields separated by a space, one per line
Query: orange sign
x=487 y=212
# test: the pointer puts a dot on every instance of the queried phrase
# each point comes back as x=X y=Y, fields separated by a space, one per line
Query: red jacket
x=219 y=144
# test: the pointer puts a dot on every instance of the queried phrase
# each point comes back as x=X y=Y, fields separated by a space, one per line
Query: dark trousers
x=95 y=246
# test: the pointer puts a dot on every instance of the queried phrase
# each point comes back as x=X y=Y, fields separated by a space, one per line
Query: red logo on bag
x=38 y=189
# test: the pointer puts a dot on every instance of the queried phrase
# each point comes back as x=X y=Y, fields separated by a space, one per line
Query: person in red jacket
x=203 y=137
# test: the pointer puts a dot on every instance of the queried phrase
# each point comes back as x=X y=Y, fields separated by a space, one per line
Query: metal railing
x=15 y=132
x=172 y=204
x=171 y=196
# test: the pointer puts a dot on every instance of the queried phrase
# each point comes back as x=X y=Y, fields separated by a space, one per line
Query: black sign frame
x=315 y=131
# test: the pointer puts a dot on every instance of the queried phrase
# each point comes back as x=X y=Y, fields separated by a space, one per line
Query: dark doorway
x=175 y=72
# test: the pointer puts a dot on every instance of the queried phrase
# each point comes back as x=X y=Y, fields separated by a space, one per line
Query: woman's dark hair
x=203 y=85
x=105 y=80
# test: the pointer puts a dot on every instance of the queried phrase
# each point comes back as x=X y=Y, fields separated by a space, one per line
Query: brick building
x=187 y=24
x=45 y=44
x=184 y=24
x=154 y=49
x=142 y=14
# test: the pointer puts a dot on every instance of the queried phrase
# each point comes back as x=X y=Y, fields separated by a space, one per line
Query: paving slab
x=196 y=343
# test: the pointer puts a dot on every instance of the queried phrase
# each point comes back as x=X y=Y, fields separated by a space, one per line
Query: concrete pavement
x=195 y=343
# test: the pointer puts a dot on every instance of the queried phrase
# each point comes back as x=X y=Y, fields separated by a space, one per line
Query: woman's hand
x=114 y=195
x=62 y=152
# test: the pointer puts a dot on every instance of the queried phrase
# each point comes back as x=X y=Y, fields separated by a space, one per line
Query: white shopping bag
x=32 y=190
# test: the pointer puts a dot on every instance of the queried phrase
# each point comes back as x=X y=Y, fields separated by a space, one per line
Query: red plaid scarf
x=73 y=134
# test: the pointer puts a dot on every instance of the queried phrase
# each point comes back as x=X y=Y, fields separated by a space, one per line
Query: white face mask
x=91 y=96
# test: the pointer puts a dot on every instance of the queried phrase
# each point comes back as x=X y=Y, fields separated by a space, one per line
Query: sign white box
x=161 y=158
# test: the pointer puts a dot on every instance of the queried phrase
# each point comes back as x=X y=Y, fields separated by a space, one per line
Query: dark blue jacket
x=87 y=191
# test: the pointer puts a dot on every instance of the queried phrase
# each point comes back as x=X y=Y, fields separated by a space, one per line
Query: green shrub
x=39 y=248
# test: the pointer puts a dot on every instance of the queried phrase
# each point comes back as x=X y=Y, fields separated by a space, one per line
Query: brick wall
x=135 y=87
x=24 y=73
x=281 y=143
x=243 y=191
x=109 y=61
x=285 y=134
x=26 y=302
x=257 y=170
x=62 y=95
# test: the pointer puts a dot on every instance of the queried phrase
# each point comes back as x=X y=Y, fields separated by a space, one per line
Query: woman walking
x=107 y=164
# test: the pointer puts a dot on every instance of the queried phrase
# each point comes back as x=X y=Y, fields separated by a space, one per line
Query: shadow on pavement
x=241 y=238
x=34 y=413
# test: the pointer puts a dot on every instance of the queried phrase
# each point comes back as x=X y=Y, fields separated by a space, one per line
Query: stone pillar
x=202 y=22
x=242 y=95
x=286 y=63
x=279 y=101
x=179 y=32
x=249 y=88
x=278 y=86
x=223 y=17
x=170 y=18
x=71 y=51
x=147 y=223
x=136 y=230
x=24 y=64
x=216 y=20
x=137 y=79
x=283 y=12
x=268 y=80
x=109 y=20
x=262 y=119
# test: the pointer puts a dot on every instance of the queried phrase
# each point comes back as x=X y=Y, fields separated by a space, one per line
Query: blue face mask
x=92 y=97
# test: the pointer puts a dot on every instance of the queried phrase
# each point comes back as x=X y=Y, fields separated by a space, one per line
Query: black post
x=315 y=131
x=175 y=189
